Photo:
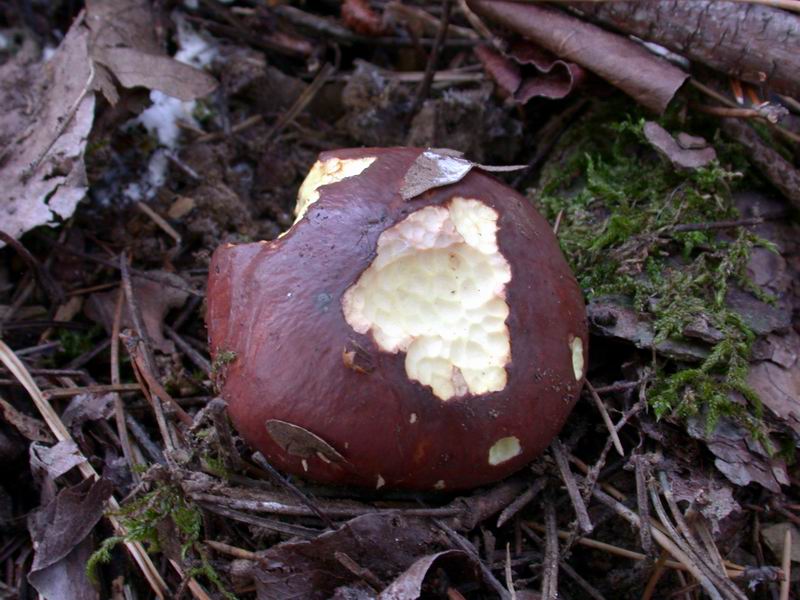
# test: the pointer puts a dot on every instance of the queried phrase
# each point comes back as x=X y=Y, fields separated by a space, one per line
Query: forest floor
x=136 y=139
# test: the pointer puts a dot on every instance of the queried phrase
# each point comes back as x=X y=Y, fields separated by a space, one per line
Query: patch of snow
x=161 y=118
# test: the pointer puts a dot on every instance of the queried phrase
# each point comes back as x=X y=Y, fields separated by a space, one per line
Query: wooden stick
x=786 y=564
x=612 y=431
x=560 y=456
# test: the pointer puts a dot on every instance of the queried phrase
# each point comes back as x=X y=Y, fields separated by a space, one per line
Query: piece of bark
x=648 y=79
x=679 y=155
x=752 y=42
x=772 y=165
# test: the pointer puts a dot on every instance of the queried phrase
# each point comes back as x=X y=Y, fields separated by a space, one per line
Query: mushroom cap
x=319 y=379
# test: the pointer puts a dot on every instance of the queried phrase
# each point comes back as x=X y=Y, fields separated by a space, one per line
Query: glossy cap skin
x=327 y=403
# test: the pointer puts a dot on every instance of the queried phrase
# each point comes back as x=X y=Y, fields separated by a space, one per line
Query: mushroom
x=428 y=342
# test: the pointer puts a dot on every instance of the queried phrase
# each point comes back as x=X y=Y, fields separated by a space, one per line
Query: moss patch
x=619 y=205
x=144 y=519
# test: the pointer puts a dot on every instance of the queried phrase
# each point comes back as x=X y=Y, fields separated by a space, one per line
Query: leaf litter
x=708 y=406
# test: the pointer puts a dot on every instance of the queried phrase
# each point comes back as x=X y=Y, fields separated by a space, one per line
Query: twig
x=680 y=228
x=309 y=93
x=645 y=537
x=264 y=464
x=568 y=570
x=740 y=112
x=786 y=564
x=234 y=551
x=132 y=346
x=658 y=571
x=149 y=447
x=521 y=500
x=269 y=524
x=465 y=545
x=789 y=135
x=551 y=554
x=560 y=456
x=91 y=389
x=692 y=547
x=50 y=286
x=239 y=127
x=276 y=506
x=200 y=361
x=119 y=409
x=362 y=573
x=612 y=431
x=508 y=574
x=662 y=539
x=327 y=28
x=697 y=567
x=433 y=59
x=557 y=224
x=624 y=552
x=620 y=386
x=790 y=5
x=477 y=24
x=160 y=221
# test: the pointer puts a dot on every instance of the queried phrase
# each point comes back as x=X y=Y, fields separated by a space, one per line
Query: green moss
x=619 y=203
x=222 y=359
x=142 y=518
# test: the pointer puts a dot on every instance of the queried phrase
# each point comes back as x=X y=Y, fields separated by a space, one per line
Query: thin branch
x=551 y=554
x=293 y=489
x=612 y=431
x=433 y=59
x=560 y=456
x=119 y=409
x=786 y=563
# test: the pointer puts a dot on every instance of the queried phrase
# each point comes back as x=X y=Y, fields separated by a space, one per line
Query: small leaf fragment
x=298 y=441
x=441 y=167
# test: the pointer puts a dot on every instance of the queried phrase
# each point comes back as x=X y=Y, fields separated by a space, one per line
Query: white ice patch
x=436 y=291
x=162 y=117
x=193 y=48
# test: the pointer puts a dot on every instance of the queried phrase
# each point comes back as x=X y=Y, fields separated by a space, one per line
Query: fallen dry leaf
x=123 y=40
x=57 y=531
x=298 y=441
x=156 y=295
x=84 y=408
x=46 y=113
x=458 y=565
x=438 y=168
x=386 y=544
x=739 y=458
x=611 y=316
x=706 y=493
x=648 y=79
x=51 y=462
x=29 y=427
x=777 y=379
x=527 y=72
x=686 y=152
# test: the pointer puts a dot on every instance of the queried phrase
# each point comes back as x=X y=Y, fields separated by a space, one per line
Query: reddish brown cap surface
x=328 y=403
